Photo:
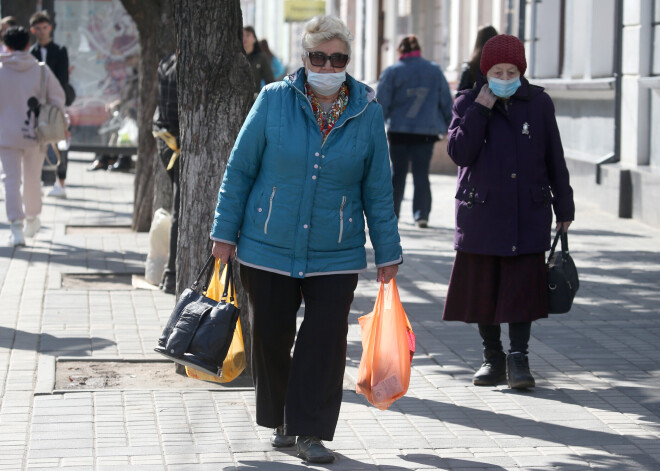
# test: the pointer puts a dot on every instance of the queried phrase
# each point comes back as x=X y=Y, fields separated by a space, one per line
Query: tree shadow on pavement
x=515 y=430
x=344 y=463
x=49 y=344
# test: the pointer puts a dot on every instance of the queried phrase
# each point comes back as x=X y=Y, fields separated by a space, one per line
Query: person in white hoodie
x=20 y=152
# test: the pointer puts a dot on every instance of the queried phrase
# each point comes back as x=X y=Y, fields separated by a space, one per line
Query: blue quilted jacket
x=296 y=205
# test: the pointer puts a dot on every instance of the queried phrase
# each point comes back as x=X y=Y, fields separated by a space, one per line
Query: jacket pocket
x=270 y=209
x=471 y=195
x=341 y=218
x=542 y=195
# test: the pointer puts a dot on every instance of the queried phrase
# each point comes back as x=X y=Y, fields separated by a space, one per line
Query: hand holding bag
x=200 y=329
x=235 y=361
x=562 y=277
x=388 y=345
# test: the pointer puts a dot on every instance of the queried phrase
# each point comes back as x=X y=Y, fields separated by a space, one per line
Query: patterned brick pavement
x=596 y=404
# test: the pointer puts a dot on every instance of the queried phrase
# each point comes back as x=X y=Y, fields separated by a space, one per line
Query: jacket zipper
x=270 y=209
x=341 y=218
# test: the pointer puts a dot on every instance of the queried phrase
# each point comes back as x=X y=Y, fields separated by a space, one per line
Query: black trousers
x=302 y=392
x=519 y=333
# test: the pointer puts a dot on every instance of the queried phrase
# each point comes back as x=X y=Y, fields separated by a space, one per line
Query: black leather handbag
x=200 y=330
x=562 y=277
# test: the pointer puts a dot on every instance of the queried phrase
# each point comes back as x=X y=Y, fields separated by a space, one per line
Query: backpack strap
x=42 y=97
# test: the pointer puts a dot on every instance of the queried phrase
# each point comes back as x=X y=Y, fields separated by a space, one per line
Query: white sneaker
x=16 y=236
x=58 y=191
x=32 y=226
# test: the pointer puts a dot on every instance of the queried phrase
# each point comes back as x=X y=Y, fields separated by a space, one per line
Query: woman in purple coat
x=511 y=175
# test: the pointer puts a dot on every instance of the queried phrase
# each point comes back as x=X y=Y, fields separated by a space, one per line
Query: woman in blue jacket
x=416 y=104
x=309 y=163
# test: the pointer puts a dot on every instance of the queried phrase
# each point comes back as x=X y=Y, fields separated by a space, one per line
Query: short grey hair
x=325 y=28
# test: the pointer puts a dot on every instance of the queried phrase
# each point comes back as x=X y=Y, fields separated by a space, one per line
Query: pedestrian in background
x=259 y=63
x=57 y=58
x=511 y=175
x=21 y=155
x=309 y=164
x=470 y=70
x=417 y=105
x=6 y=23
x=166 y=127
x=275 y=64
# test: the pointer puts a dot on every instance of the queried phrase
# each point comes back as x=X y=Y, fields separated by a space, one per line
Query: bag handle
x=229 y=280
x=209 y=263
x=563 y=236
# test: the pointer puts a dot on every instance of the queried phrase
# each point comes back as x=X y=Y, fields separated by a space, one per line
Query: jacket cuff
x=483 y=110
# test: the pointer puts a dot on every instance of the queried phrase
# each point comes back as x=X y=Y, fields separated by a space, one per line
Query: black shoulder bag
x=200 y=330
x=562 y=277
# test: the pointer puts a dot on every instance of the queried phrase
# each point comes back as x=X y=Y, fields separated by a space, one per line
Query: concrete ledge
x=646 y=195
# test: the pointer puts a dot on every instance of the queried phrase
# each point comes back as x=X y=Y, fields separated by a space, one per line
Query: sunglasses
x=318 y=59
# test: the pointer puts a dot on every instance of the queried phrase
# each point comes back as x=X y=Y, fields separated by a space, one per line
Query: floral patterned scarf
x=335 y=112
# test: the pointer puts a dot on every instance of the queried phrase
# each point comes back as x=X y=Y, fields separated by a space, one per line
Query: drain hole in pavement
x=72 y=375
x=97 y=230
x=97 y=281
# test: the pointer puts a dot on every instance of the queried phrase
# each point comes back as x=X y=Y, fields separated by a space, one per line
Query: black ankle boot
x=517 y=371
x=492 y=371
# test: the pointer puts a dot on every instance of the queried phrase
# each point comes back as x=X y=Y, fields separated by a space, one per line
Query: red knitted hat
x=500 y=49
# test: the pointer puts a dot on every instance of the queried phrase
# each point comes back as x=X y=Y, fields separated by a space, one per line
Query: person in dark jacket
x=511 y=175
x=470 y=70
x=166 y=128
x=416 y=104
x=259 y=62
x=57 y=59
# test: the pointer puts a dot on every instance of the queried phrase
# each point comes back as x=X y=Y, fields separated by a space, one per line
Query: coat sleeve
x=384 y=92
x=55 y=93
x=242 y=169
x=377 y=198
x=467 y=130
x=563 y=204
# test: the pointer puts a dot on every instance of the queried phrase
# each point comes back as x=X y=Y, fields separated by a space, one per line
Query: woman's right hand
x=486 y=97
x=222 y=251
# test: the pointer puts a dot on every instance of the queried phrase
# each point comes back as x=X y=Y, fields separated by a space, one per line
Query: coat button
x=300 y=273
x=316 y=154
x=316 y=165
x=513 y=175
x=514 y=248
x=323 y=156
x=305 y=226
x=313 y=177
x=260 y=210
x=350 y=219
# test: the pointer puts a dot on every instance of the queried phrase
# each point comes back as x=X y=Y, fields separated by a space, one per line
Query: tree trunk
x=147 y=17
x=212 y=73
x=22 y=10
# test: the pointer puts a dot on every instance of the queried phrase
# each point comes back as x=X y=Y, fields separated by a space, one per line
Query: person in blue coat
x=417 y=105
x=309 y=165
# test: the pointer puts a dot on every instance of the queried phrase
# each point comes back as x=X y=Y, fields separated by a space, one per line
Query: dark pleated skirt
x=488 y=289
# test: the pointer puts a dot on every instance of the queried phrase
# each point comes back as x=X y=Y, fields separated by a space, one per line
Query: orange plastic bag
x=388 y=344
x=235 y=362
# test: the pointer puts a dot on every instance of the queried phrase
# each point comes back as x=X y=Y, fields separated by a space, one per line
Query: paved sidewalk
x=596 y=404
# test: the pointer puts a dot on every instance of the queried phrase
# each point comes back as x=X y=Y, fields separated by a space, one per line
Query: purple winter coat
x=511 y=170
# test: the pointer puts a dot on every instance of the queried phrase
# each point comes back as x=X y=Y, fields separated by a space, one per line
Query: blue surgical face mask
x=325 y=84
x=503 y=88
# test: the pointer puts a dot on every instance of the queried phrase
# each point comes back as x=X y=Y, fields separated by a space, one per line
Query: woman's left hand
x=563 y=225
x=386 y=274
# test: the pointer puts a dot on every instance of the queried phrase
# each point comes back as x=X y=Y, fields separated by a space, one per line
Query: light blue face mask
x=503 y=88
